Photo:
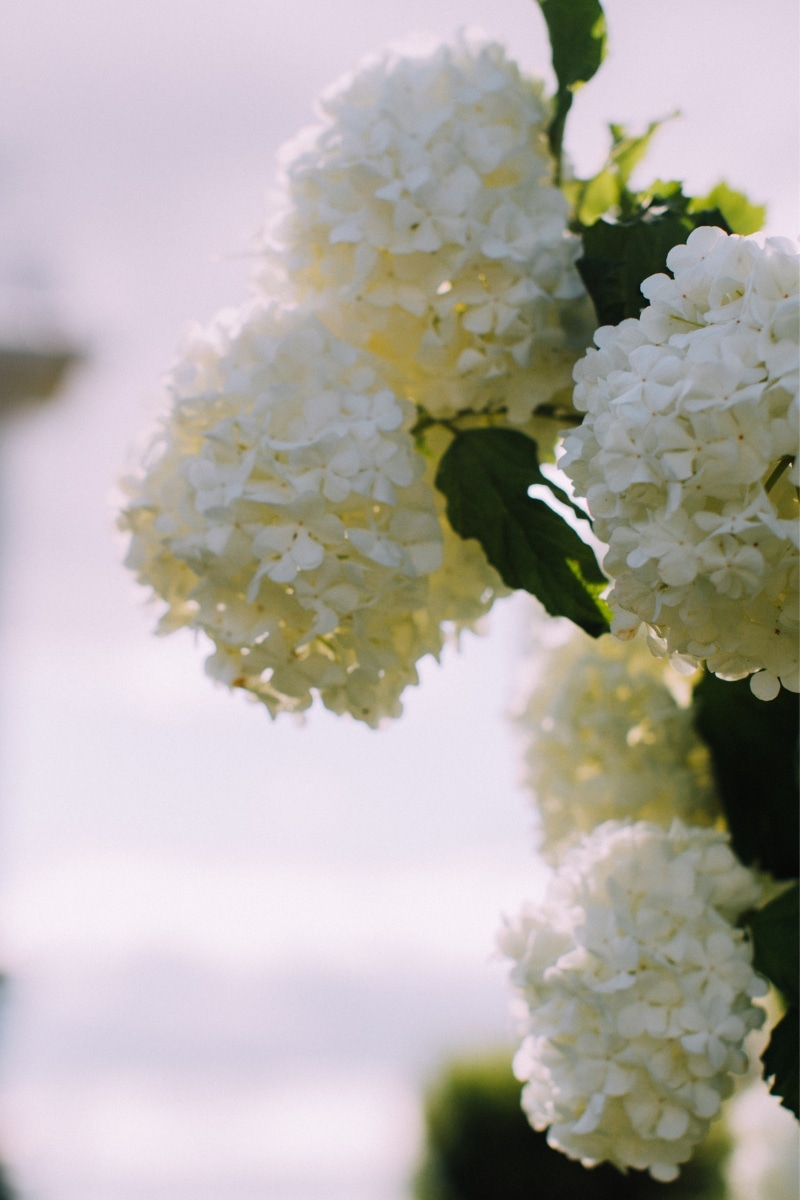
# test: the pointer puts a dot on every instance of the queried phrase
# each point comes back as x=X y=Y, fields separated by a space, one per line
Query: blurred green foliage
x=479 y=1146
x=6 y=1191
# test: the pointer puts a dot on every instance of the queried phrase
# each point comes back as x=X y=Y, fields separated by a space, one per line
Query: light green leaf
x=599 y=196
x=740 y=213
x=606 y=194
x=628 y=149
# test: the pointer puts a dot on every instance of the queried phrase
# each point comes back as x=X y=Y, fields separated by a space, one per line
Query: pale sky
x=238 y=947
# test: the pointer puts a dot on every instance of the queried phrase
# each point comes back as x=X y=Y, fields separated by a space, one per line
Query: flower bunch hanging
x=359 y=461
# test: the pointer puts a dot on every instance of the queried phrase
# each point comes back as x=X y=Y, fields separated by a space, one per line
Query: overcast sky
x=238 y=947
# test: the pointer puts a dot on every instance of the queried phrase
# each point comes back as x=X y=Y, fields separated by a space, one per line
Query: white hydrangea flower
x=423 y=223
x=608 y=736
x=638 y=993
x=284 y=512
x=691 y=423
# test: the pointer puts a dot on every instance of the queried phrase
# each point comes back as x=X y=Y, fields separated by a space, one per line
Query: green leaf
x=577 y=30
x=776 y=943
x=662 y=191
x=741 y=215
x=485 y=475
x=619 y=255
x=598 y=196
x=606 y=193
x=628 y=149
x=781 y=1059
x=478 y=1145
x=617 y=258
x=753 y=746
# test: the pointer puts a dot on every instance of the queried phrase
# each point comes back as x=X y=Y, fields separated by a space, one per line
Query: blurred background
x=237 y=950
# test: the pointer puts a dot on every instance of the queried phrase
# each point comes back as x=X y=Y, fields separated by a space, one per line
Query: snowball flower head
x=638 y=993
x=687 y=457
x=608 y=735
x=423 y=223
x=283 y=512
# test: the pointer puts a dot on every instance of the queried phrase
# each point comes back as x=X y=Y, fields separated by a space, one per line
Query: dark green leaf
x=485 y=475
x=753 y=746
x=781 y=1059
x=479 y=1146
x=619 y=256
x=776 y=943
x=577 y=30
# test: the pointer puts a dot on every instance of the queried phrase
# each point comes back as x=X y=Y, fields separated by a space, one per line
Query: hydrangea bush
x=423 y=223
x=639 y=993
x=687 y=457
x=353 y=466
x=608 y=735
x=285 y=513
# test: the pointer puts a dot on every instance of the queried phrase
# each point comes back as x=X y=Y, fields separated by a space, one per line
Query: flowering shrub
x=639 y=994
x=423 y=223
x=351 y=466
x=284 y=513
x=685 y=456
x=607 y=738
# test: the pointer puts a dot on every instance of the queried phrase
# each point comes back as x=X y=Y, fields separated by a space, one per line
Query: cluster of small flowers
x=424 y=224
x=608 y=736
x=683 y=456
x=286 y=511
x=638 y=993
x=285 y=515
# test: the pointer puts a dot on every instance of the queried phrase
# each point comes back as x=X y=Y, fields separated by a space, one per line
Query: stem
x=567 y=416
x=552 y=412
x=426 y=421
x=555 y=133
x=781 y=468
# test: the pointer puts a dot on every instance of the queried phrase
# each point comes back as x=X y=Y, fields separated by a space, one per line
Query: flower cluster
x=284 y=513
x=421 y=281
x=424 y=224
x=423 y=268
x=685 y=451
x=606 y=738
x=638 y=992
